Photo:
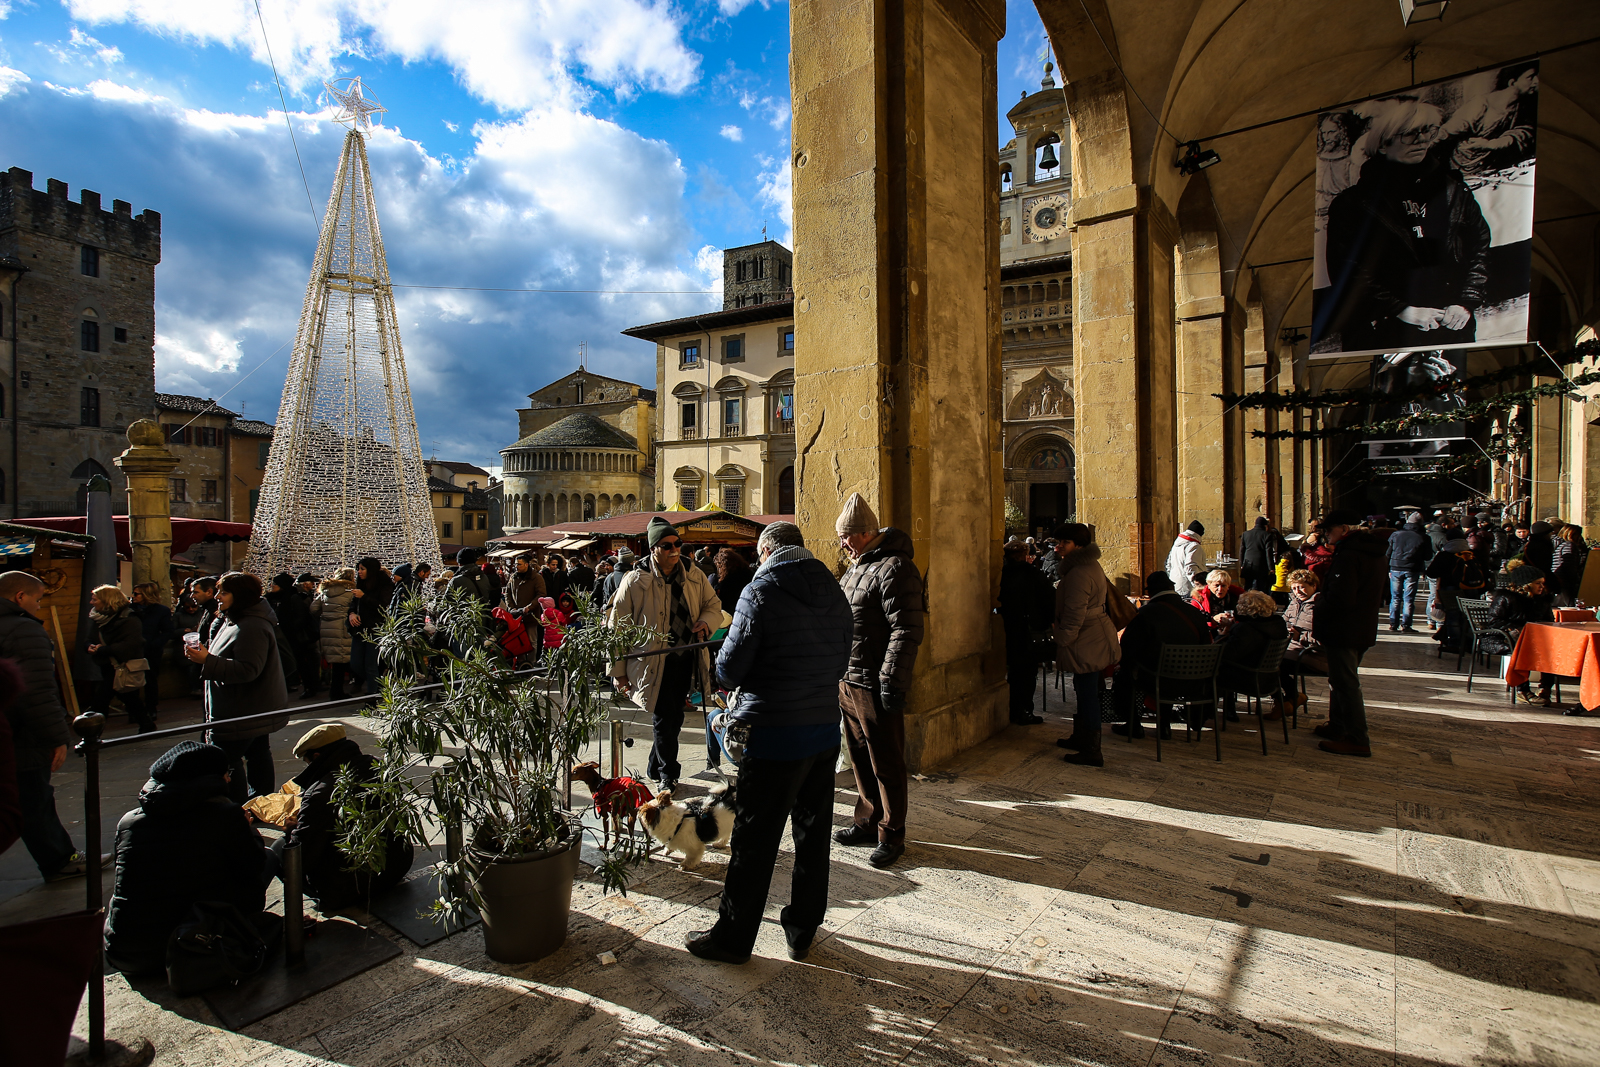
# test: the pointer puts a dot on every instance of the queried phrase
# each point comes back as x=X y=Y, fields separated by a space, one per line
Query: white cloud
x=708 y=263
x=10 y=79
x=451 y=126
x=732 y=133
x=529 y=208
x=510 y=53
x=774 y=110
x=777 y=192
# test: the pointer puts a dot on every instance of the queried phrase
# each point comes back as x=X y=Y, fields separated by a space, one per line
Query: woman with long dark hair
x=243 y=676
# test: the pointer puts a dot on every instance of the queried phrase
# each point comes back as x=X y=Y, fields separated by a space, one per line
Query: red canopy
x=185 y=532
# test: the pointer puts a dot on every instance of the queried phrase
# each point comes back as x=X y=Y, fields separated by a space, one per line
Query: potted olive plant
x=488 y=751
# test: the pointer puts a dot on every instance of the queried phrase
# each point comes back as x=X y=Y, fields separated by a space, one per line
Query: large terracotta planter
x=525 y=902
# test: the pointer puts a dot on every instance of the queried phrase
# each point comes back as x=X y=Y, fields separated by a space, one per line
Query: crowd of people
x=806 y=663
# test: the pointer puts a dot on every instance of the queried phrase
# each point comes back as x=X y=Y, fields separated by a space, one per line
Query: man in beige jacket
x=677 y=602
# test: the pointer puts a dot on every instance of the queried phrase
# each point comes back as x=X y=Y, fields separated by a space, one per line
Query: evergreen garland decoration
x=1304 y=398
x=1482 y=408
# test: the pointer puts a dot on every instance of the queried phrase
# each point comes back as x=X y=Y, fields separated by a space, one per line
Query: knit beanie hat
x=1196 y=527
x=658 y=529
x=188 y=760
x=857 y=517
x=284 y=581
x=465 y=557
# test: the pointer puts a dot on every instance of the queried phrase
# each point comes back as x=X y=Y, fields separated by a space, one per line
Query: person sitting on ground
x=1165 y=619
x=1216 y=599
x=328 y=878
x=1299 y=616
x=185 y=842
x=1525 y=599
x=1256 y=625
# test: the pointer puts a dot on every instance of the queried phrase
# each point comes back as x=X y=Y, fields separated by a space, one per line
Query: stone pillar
x=1203 y=474
x=147 y=464
x=1122 y=339
x=897 y=323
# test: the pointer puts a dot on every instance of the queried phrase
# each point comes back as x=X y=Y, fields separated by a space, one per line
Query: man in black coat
x=1027 y=605
x=1258 y=555
x=299 y=629
x=315 y=829
x=38 y=726
x=185 y=842
x=786 y=652
x=890 y=611
x=1346 y=625
x=1409 y=551
x=1165 y=619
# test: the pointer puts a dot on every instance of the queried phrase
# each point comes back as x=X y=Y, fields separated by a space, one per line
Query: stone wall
x=48 y=305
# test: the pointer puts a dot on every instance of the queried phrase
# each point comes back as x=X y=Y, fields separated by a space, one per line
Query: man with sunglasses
x=677 y=601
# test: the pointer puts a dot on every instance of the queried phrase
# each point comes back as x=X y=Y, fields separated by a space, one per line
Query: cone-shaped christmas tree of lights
x=345 y=477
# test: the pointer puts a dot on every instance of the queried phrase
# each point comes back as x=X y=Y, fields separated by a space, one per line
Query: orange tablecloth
x=1566 y=648
x=1574 y=615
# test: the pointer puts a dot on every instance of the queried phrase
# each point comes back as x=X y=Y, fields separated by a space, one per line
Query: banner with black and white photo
x=1424 y=218
x=1421 y=384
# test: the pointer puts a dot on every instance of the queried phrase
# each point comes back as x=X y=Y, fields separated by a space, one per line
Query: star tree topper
x=352 y=107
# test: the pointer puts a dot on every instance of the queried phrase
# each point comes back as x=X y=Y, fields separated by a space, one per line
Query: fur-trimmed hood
x=1089 y=553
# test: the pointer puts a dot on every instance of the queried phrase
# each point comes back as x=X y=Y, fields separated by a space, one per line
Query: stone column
x=897 y=327
x=1122 y=339
x=147 y=464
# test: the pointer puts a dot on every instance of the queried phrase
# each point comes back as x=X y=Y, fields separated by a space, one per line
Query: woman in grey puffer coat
x=332 y=610
x=243 y=676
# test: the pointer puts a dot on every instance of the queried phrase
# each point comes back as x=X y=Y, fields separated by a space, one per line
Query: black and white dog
x=691 y=826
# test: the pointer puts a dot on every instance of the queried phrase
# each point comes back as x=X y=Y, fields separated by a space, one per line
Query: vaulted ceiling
x=1197 y=68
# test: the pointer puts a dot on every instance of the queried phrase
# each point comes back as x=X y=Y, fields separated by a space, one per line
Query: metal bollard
x=294 y=915
x=88 y=727
x=453 y=842
x=616 y=749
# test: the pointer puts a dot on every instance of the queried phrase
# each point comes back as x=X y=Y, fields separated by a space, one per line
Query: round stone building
x=579 y=467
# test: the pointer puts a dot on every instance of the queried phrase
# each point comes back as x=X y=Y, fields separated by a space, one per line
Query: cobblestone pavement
x=1436 y=904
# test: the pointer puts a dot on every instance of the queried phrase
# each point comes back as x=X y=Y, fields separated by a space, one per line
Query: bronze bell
x=1048 y=160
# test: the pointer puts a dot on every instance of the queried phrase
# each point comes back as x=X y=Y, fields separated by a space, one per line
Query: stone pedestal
x=897 y=320
x=147 y=464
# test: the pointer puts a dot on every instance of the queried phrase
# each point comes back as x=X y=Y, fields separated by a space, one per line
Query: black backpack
x=217 y=945
x=1473 y=578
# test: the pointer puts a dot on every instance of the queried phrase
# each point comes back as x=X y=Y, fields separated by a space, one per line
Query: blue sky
x=607 y=144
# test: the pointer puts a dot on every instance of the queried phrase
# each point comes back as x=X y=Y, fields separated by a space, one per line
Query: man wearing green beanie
x=675 y=600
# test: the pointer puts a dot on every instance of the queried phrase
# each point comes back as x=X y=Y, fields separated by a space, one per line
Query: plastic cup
x=192 y=640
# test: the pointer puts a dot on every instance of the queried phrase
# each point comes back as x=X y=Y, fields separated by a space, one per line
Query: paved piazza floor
x=1436 y=904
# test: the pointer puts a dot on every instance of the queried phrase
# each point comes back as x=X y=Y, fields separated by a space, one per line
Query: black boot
x=1088 y=737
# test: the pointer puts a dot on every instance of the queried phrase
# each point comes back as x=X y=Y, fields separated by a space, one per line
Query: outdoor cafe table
x=1570 y=649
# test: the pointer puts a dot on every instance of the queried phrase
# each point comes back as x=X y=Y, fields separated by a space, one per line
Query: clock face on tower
x=1044 y=218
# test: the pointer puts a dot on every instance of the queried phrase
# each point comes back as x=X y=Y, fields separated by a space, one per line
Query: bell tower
x=1036 y=176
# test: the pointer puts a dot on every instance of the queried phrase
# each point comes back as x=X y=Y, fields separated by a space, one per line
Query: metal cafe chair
x=1261 y=681
x=1479 y=633
x=1186 y=675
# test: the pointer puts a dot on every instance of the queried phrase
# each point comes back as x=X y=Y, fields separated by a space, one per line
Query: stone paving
x=1436 y=904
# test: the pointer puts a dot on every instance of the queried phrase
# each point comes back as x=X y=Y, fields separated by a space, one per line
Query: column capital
x=147 y=452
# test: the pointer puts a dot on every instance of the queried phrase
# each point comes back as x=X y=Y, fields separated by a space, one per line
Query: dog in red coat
x=615 y=799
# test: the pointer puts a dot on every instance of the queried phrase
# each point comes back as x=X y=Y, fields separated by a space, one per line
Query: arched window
x=1047 y=157
x=1005 y=177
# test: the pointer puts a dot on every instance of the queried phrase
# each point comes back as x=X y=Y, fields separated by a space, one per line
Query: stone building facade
x=1036 y=310
x=757 y=274
x=77 y=336
x=727 y=436
x=583 y=452
x=249 y=442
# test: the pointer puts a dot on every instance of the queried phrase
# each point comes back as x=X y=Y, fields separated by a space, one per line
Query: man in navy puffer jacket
x=784 y=656
x=1409 y=552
